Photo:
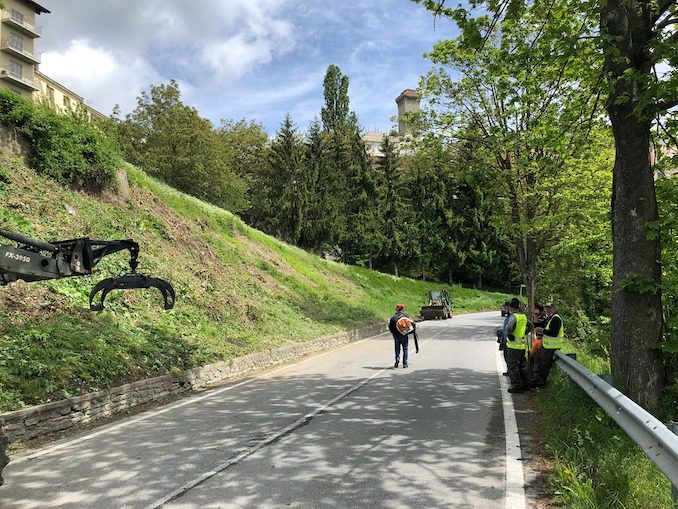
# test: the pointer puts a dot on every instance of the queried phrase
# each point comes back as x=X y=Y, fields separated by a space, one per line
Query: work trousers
x=517 y=368
x=401 y=341
x=542 y=365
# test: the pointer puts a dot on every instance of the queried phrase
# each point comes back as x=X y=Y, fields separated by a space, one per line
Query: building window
x=67 y=103
x=16 y=41
x=17 y=16
x=15 y=68
x=50 y=95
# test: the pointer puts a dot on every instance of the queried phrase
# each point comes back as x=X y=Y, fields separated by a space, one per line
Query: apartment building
x=19 y=60
x=61 y=98
x=18 y=56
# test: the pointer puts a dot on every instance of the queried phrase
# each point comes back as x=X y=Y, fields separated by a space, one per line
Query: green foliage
x=640 y=283
x=513 y=93
x=65 y=147
x=288 y=186
x=394 y=207
x=172 y=142
x=596 y=464
x=576 y=270
x=4 y=177
x=667 y=229
x=335 y=113
x=235 y=286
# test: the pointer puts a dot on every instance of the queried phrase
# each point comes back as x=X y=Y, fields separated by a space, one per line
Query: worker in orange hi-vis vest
x=401 y=326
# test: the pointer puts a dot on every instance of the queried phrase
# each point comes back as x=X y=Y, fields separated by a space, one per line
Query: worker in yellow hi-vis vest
x=554 y=335
x=517 y=328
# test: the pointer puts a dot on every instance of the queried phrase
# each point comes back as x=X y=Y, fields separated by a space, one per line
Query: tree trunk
x=636 y=311
x=527 y=262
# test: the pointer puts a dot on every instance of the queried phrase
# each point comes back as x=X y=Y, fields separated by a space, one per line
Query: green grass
x=597 y=466
x=238 y=291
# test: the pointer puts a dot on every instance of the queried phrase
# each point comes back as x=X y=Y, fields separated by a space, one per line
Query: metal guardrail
x=657 y=441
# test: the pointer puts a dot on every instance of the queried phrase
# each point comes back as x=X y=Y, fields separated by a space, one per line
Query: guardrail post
x=673 y=426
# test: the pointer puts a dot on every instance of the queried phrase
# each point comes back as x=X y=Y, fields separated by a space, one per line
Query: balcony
x=21 y=25
x=18 y=79
x=8 y=46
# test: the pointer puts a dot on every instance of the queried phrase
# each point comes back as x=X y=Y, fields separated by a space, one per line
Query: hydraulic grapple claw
x=128 y=282
x=34 y=260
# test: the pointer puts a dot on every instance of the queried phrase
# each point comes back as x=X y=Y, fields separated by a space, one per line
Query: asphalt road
x=342 y=429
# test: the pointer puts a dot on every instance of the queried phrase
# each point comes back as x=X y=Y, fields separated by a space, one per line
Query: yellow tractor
x=439 y=305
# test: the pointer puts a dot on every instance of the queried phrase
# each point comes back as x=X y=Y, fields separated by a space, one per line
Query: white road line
x=189 y=401
x=251 y=450
x=515 y=480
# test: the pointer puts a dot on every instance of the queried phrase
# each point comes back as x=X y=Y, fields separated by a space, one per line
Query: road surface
x=341 y=429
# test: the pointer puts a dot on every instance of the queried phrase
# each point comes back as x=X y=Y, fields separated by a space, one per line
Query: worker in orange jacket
x=401 y=326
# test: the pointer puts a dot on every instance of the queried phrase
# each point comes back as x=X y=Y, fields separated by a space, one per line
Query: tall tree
x=288 y=186
x=339 y=123
x=632 y=37
x=428 y=182
x=335 y=113
x=636 y=36
x=364 y=237
x=511 y=102
x=393 y=207
x=317 y=225
x=244 y=146
x=172 y=142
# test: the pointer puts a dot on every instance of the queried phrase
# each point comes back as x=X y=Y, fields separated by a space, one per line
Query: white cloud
x=253 y=59
x=250 y=39
x=101 y=65
x=239 y=54
x=107 y=79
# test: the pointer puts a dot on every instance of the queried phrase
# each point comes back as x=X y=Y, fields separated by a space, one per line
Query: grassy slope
x=596 y=464
x=238 y=291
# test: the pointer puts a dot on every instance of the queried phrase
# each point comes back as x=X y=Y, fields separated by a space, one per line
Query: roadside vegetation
x=595 y=464
x=238 y=290
x=536 y=119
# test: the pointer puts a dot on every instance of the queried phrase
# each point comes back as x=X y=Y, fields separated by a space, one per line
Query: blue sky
x=233 y=59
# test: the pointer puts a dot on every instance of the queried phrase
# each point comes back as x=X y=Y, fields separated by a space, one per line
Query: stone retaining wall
x=12 y=141
x=42 y=420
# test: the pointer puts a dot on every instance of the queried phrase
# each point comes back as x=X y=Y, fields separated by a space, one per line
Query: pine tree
x=315 y=230
x=288 y=186
x=365 y=237
x=393 y=208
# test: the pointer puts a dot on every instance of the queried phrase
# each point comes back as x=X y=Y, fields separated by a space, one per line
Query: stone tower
x=408 y=102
